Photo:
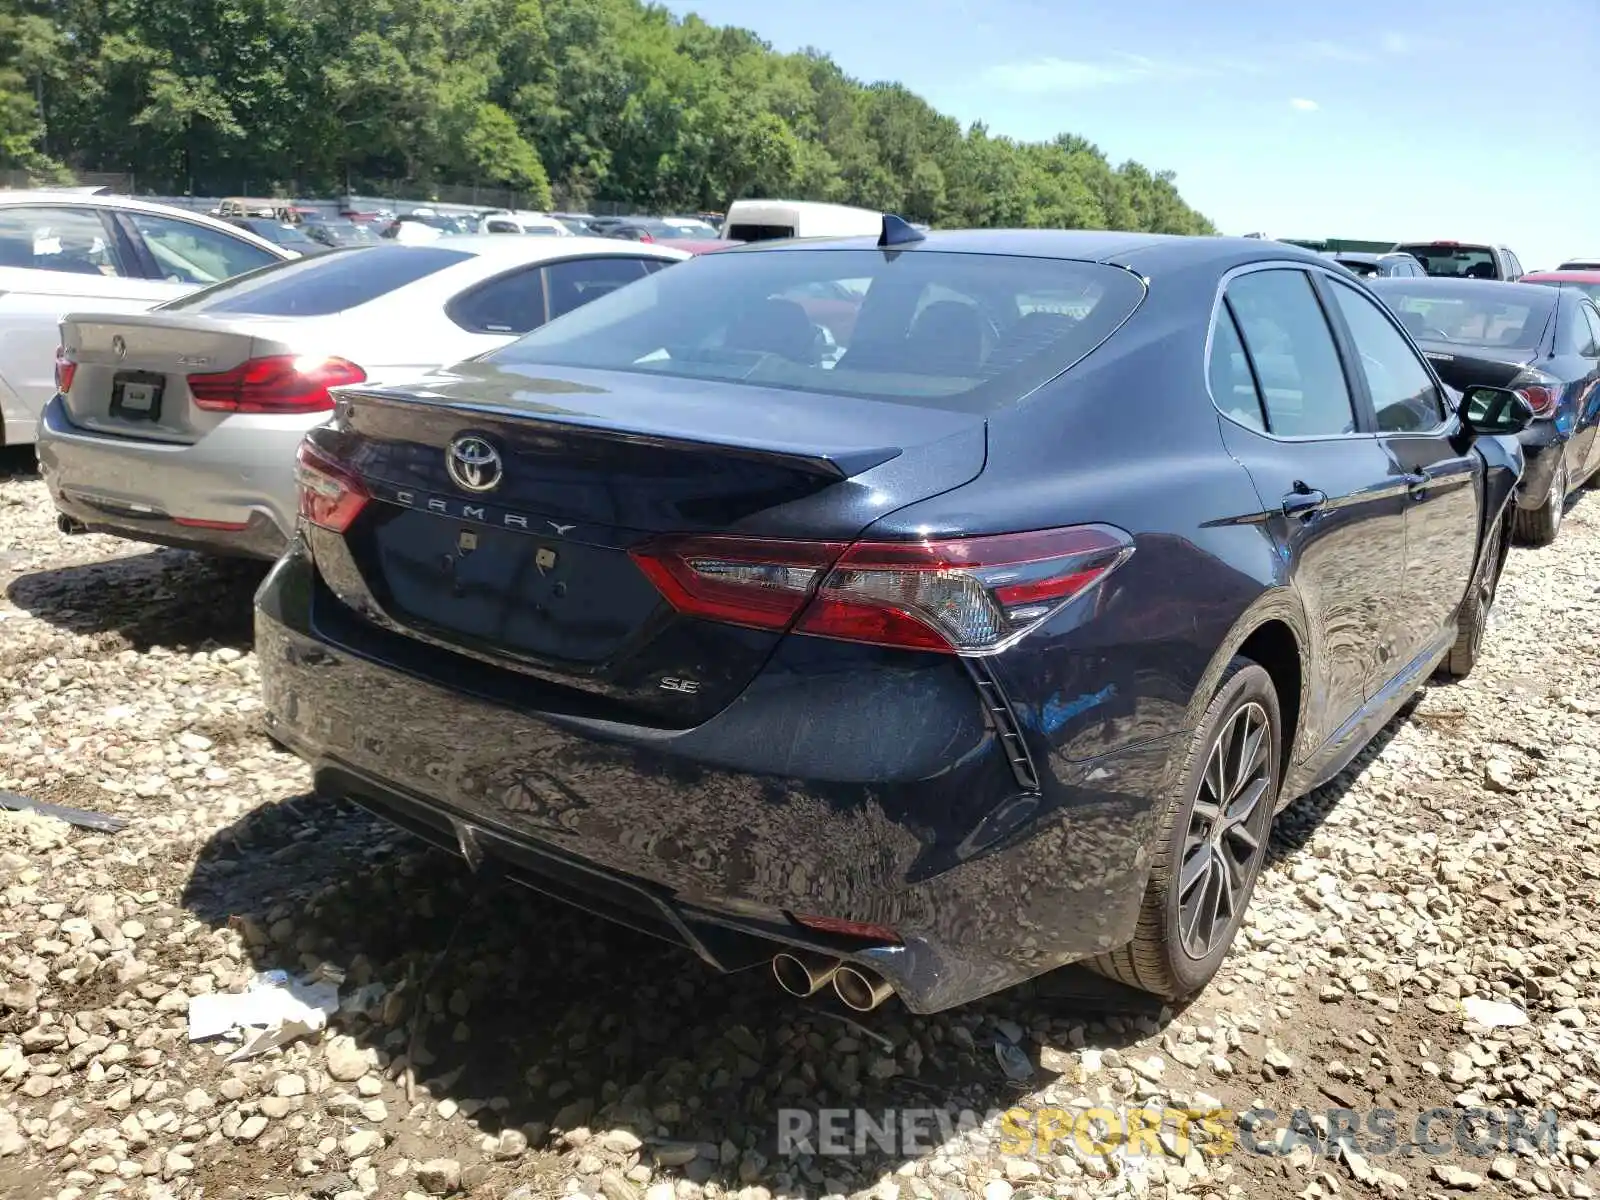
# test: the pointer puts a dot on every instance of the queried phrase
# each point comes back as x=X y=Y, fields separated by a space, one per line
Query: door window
x=1404 y=396
x=574 y=283
x=48 y=237
x=1303 y=388
x=187 y=252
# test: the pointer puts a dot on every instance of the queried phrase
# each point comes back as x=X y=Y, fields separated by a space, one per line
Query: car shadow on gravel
x=1297 y=824
x=18 y=462
x=168 y=598
x=535 y=1016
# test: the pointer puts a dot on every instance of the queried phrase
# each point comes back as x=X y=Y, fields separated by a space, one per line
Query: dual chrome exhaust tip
x=801 y=974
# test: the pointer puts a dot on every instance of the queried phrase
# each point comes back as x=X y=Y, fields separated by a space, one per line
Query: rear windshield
x=963 y=331
x=328 y=283
x=758 y=233
x=1451 y=261
x=1470 y=315
x=1360 y=268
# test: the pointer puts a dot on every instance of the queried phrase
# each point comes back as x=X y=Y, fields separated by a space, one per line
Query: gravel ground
x=513 y=1048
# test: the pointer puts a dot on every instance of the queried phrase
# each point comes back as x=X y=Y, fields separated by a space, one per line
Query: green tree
x=569 y=100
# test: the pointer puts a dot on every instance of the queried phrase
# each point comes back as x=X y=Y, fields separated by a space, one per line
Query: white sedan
x=61 y=250
x=179 y=426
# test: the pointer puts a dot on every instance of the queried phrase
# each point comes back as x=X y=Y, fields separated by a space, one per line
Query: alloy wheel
x=1223 y=844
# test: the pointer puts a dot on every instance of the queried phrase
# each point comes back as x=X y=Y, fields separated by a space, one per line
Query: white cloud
x=1396 y=43
x=1300 y=104
x=1041 y=76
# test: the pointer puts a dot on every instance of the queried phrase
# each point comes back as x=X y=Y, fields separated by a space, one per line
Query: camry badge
x=119 y=347
x=473 y=464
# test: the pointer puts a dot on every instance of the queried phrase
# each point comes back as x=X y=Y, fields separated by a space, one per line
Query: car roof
x=1571 y=275
x=82 y=199
x=1151 y=251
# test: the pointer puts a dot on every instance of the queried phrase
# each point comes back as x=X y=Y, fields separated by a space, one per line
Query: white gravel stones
x=1449 y=879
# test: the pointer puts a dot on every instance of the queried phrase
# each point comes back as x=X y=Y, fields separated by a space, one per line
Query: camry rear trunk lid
x=508 y=512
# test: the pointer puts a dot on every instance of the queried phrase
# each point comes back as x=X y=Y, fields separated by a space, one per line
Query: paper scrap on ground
x=274 y=1010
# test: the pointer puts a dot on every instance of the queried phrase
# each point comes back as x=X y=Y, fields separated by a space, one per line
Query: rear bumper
x=987 y=886
x=237 y=482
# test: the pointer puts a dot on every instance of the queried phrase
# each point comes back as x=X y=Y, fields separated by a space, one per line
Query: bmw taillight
x=279 y=383
x=65 y=370
x=1541 y=391
x=331 y=495
x=971 y=595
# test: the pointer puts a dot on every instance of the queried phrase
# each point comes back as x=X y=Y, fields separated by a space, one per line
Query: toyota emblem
x=473 y=464
x=119 y=347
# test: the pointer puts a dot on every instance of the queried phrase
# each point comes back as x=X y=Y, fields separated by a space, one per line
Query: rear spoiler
x=839 y=462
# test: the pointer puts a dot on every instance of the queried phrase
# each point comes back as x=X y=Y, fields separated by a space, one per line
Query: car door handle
x=1304 y=501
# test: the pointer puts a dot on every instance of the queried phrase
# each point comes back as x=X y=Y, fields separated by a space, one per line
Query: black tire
x=1162 y=958
x=1473 y=620
x=1539 y=526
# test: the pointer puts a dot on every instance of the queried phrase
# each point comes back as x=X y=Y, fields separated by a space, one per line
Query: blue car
x=920 y=661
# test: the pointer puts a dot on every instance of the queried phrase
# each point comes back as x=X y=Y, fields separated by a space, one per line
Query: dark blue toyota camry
x=909 y=615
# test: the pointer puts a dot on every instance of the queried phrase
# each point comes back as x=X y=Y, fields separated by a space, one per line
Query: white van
x=764 y=220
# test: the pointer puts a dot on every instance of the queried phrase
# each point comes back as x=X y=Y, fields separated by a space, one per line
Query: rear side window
x=1572 y=329
x=1232 y=386
x=508 y=304
x=1446 y=260
x=1292 y=349
x=328 y=283
x=1594 y=330
x=960 y=331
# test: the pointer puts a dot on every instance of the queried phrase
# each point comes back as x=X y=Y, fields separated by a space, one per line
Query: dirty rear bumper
x=986 y=886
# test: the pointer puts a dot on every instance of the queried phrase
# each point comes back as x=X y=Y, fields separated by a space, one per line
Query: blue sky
x=1359 y=119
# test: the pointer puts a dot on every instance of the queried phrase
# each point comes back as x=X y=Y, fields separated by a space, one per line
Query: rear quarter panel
x=1128 y=438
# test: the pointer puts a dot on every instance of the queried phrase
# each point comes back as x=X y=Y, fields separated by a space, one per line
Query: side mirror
x=1490 y=411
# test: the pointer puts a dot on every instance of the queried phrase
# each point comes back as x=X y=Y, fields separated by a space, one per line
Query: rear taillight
x=955 y=596
x=1541 y=391
x=65 y=370
x=331 y=495
x=280 y=383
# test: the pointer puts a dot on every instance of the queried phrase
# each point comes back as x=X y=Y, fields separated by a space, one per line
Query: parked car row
x=911 y=614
